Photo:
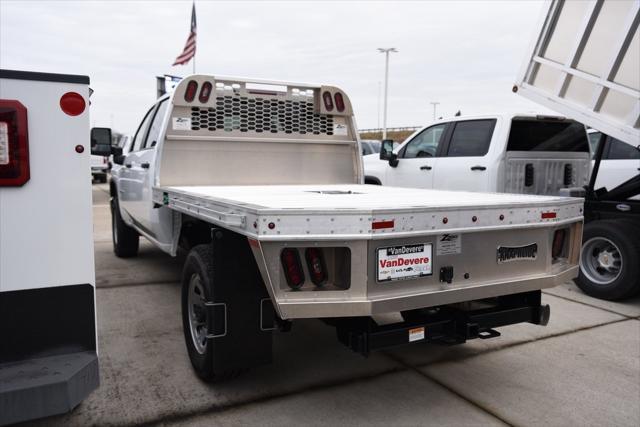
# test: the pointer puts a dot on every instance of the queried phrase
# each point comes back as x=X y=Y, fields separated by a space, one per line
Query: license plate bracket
x=404 y=262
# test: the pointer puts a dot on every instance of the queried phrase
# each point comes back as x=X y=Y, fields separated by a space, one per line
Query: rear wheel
x=197 y=290
x=609 y=267
x=126 y=240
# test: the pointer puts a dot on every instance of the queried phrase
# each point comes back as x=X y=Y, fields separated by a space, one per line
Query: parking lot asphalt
x=581 y=369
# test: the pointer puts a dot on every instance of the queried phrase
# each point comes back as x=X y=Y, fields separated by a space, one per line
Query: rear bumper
x=291 y=309
x=446 y=325
x=40 y=387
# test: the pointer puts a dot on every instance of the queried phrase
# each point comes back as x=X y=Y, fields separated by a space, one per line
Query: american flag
x=189 y=50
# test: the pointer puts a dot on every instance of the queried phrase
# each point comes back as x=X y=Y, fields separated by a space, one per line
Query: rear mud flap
x=241 y=312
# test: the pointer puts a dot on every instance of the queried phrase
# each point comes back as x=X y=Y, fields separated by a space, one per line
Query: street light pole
x=386 y=51
x=434 y=109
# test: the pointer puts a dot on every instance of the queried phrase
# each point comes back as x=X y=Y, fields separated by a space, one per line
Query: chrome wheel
x=197 y=314
x=601 y=260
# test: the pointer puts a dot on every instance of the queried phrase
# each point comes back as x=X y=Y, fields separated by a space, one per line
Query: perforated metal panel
x=247 y=114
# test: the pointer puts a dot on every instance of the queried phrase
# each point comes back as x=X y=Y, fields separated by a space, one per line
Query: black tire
x=102 y=178
x=617 y=240
x=199 y=264
x=126 y=240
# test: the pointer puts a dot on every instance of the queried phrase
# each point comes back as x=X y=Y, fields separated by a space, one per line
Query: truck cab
x=512 y=153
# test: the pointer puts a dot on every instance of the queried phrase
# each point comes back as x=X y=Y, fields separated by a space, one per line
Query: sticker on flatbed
x=340 y=126
x=517 y=253
x=182 y=123
x=404 y=262
x=416 y=334
x=449 y=244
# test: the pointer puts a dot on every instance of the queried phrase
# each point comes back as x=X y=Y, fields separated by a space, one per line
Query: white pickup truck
x=261 y=182
x=510 y=153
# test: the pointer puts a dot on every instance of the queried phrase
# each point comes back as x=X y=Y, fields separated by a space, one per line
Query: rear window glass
x=622 y=151
x=471 y=138
x=539 y=135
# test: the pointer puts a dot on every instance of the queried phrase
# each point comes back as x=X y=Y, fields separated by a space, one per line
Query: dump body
x=584 y=63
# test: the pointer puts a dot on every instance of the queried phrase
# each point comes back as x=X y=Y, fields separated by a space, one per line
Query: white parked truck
x=48 y=350
x=510 y=153
x=584 y=63
x=261 y=182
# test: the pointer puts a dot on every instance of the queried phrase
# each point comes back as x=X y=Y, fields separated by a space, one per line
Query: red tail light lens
x=339 y=102
x=190 y=92
x=72 y=103
x=205 y=92
x=292 y=268
x=14 y=144
x=328 y=101
x=558 y=243
x=316 y=266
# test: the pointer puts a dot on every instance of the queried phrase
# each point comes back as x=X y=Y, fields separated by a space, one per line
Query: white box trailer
x=584 y=62
x=48 y=350
x=261 y=182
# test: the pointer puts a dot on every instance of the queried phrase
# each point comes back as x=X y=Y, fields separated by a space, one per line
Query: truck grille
x=244 y=114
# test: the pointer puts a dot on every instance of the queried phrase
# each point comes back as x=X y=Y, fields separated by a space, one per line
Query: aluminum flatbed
x=353 y=211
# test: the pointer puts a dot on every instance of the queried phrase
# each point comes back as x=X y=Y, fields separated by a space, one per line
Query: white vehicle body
x=99 y=167
x=47 y=277
x=509 y=153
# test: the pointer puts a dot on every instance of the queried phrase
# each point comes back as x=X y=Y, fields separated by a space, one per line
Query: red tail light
x=14 y=144
x=205 y=92
x=292 y=268
x=190 y=92
x=558 y=243
x=316 y=266
x=72 y=103
x=328 y=101
x=339 y=102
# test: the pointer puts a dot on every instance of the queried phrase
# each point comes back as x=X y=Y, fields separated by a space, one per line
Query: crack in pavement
x=448 y=388
x=214 y=409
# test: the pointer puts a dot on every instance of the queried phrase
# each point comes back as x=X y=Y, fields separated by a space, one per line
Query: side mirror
x=118 y=157
x=386 y=153
x=101 y=141
x=386 y=149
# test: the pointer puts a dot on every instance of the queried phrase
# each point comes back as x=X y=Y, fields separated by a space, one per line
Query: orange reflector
x=548 y=215
x=382 y=224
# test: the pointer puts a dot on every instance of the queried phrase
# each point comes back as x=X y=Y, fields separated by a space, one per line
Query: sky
x=463 y=54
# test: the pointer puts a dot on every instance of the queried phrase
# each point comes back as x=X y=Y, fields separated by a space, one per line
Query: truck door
x=139 y=164
x=417 y=159
x=620 y=162
x=126 y=187
x=465 y=163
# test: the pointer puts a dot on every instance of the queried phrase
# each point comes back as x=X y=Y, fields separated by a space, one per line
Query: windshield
x=540 y=135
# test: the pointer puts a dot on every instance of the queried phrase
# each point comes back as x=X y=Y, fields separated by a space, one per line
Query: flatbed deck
x=276 y=212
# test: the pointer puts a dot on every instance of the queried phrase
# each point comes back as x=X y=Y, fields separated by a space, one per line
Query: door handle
x=144 y=165
x=478 y=168
x=425 y=168
x=128 y=165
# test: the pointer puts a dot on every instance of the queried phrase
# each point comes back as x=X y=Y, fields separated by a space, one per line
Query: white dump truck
x=262 y=183
x=48 y=350
x=584 y=63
